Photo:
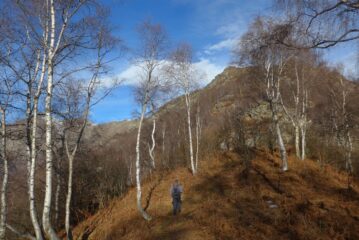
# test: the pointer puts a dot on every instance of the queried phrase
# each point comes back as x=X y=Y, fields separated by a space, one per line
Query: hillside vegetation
x=234 y=116
x=224 y=201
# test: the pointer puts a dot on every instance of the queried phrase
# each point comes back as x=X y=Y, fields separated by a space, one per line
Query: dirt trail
x=224 y=203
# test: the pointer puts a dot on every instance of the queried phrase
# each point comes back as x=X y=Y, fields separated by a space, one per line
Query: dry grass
x=221 y=203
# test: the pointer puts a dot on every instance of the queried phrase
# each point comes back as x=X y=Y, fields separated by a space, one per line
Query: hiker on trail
x=176 y=191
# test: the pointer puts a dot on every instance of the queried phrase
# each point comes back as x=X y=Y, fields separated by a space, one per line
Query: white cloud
x=132 y=74
x=232 y=29
x=226 y=44
x=210 y=69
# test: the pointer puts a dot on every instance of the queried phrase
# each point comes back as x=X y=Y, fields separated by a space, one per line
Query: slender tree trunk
x=32 y=140
x=349 y=149
x=283 y=152
x=28 y=129
x=188 y=106
x=130 y=172
x=138 y=167
x=60 y=157
x=198 y=130
x=3 y=211
x=152 y=148
x=297 y=147
x=71 y=157
x=32 y=207
x=68 y=200
x=57 y=192
x=304 y=122
x=46 y=219
x=46 y=215
x=296 y=100
x=303 y=136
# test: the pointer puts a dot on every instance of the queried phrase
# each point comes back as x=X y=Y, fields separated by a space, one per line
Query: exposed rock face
x=262 y=115
x=238 y=94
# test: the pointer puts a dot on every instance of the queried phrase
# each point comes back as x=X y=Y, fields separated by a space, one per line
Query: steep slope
x=226 y=202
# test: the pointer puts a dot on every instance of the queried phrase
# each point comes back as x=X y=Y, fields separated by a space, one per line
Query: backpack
x=176 y=193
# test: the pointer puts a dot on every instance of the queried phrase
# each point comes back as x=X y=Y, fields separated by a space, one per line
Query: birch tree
x=47 y=36
x=74 y=126
x=6 y=89
x=55 y=41
x=342 y=124
x=58 y=34
x=182 y=71
x=153 y=143
x=259 y=48
x=78 y=96
x=299 y=92
x=4 y=186
x=25 y=64
x=148 y=58
x=198 y=134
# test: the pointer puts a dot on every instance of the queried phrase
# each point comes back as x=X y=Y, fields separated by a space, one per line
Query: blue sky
x=212 y=27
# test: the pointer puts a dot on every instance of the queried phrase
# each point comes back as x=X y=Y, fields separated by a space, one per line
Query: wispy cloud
x=131 y=75
x=223 y=22
x=226 y=44
x=210 y=70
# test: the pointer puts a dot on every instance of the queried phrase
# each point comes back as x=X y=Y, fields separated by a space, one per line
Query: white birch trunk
x=46 y=219
x=152 y=148
x=274 y=98
x=198 y=130
x=68 y=199
x=57 y=192
x=303 y=123
x=138 y=167
x=32 y=206
x=303 y=136
x=296 y=121
x=188 y=106
x=297 y=127
x=46 y=215
x=3 y=210
x=346 y=135
x=283 y=152
x=297 y=142
x=71 y=157
x=32 y=167
x=349 y=149
x=28 y=130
